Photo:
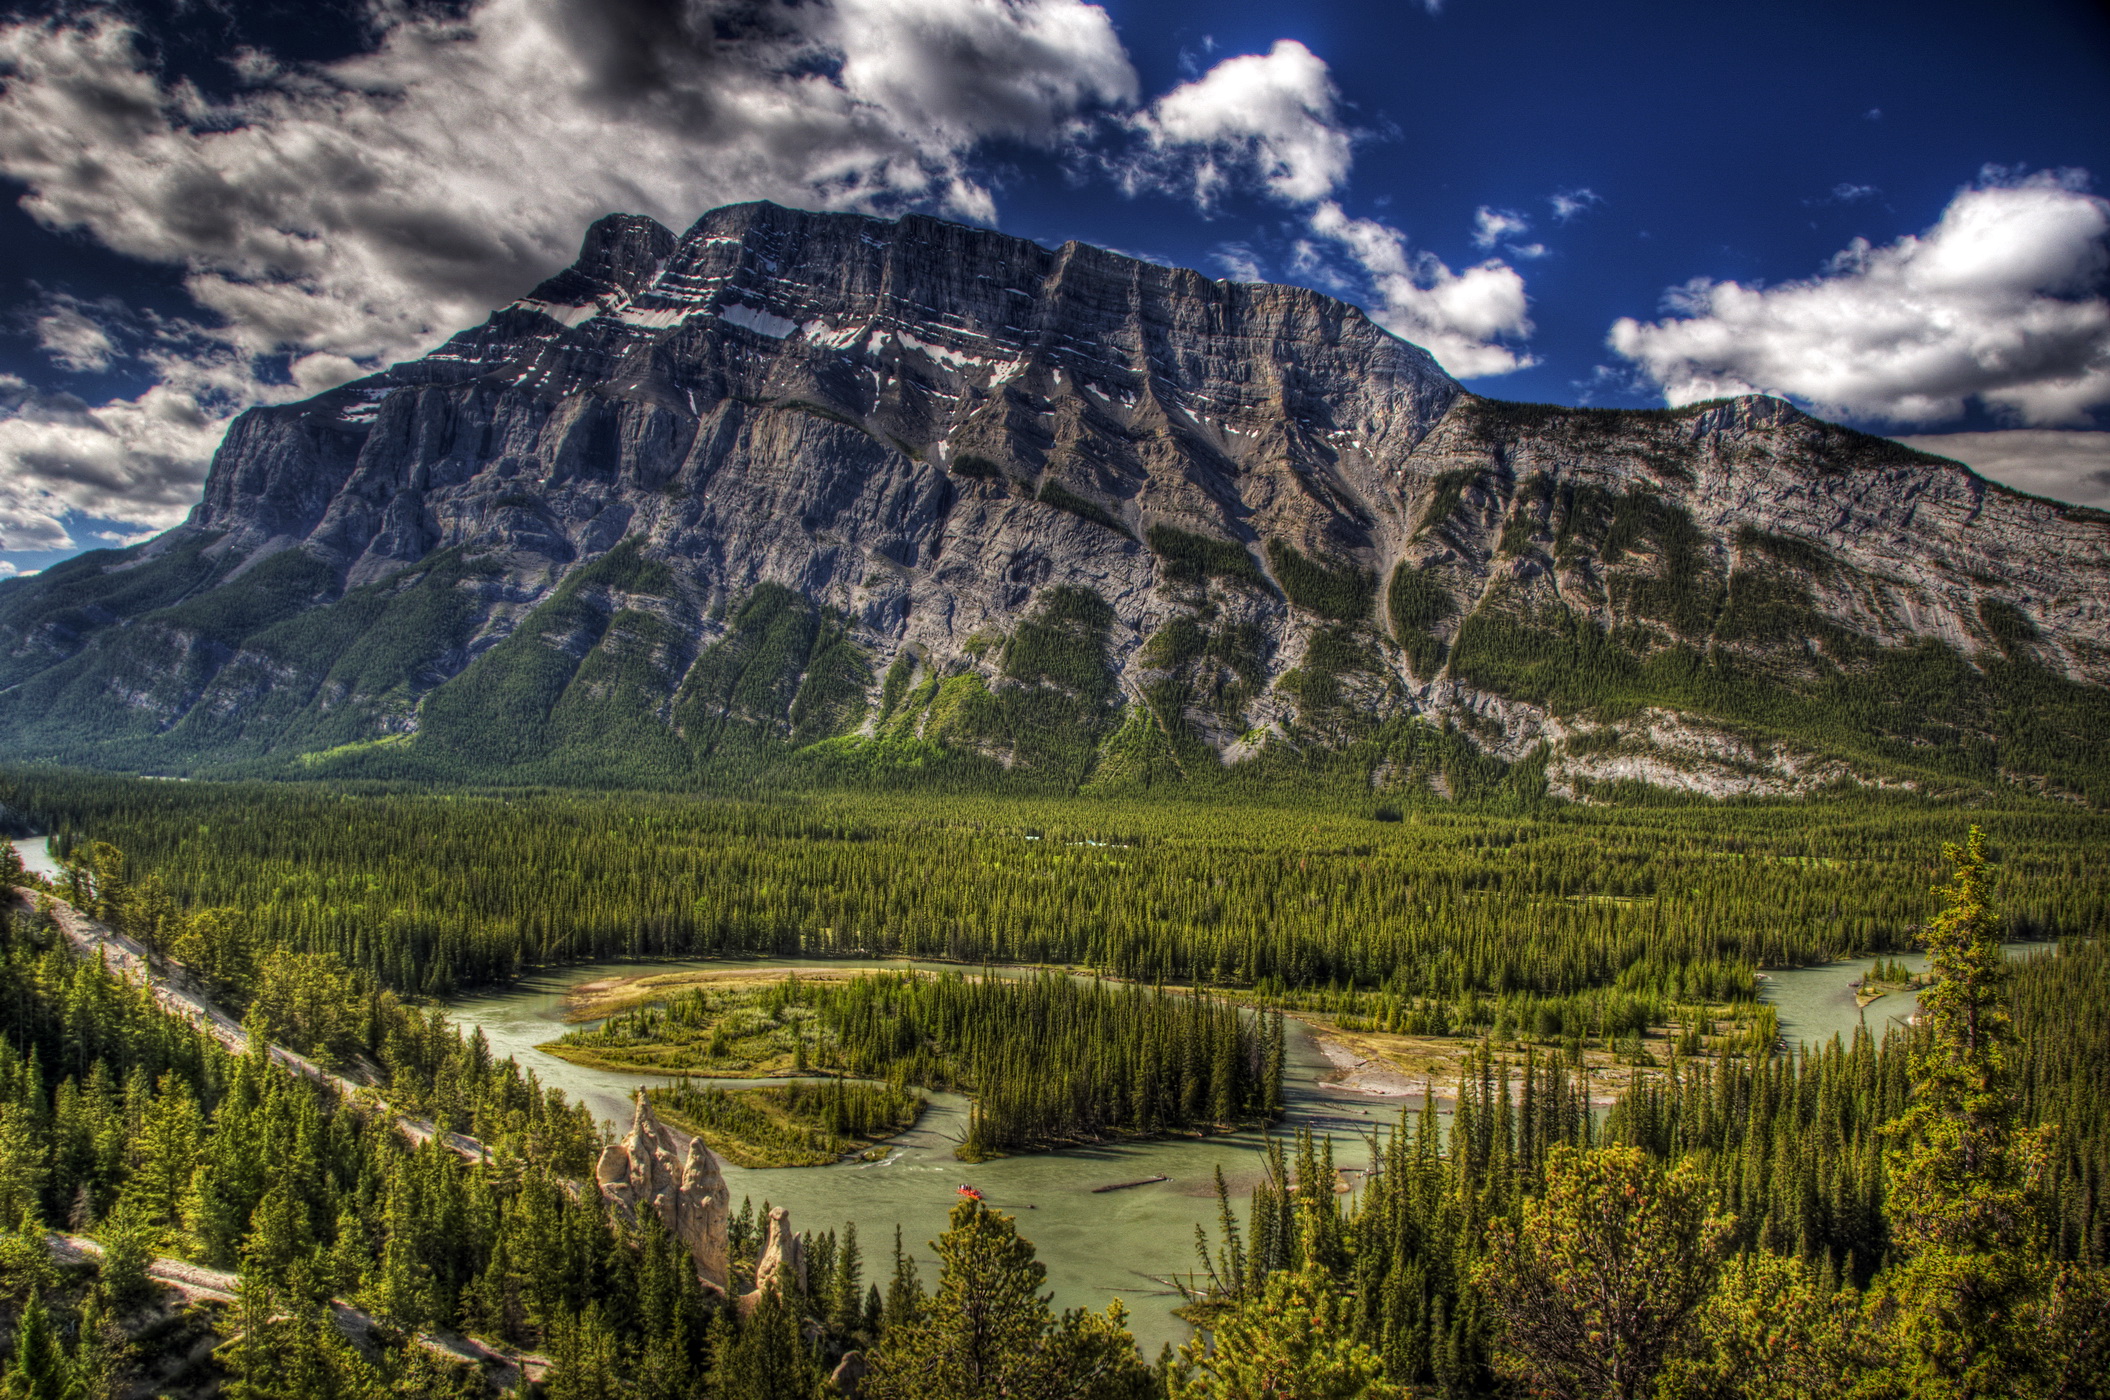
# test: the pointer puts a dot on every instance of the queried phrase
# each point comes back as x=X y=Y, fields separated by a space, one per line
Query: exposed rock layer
x=648 y=1170
x=709 y=491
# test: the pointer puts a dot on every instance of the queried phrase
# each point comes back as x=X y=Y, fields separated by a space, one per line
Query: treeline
x=790 y=1125
x=428 y=892
x=311 y=1003
x=128 y=1125
x=1049 y=1058
x=1053 y=1059
x=125 y=1123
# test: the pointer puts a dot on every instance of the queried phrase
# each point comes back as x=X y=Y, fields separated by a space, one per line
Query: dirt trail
x=178 y=992
x=198 y=1284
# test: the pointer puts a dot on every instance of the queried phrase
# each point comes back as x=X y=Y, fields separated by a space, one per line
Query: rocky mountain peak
x=826 y=489
x=621 y=253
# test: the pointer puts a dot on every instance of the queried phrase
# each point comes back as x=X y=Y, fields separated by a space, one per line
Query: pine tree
x=128 y=1249
x=846 y=1290
x=40 y=1370
x=1964 y=1206
x=165 y=1152
x=1596 y=1283
x=904 y=1291
x=1299 y=1342
x=584 y=1362
x=767 y=1359
x=988 y=1330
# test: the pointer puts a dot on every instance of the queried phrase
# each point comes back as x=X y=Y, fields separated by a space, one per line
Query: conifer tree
x=1300 y=1341
x=767 y=1358
x=584 y=1363
x=904 y=1291
x=1596 y=1283
x=40 y=1370
x=128 y=1248
x=1963 y=1202
x=22 y=1169
x=988 y=1330
x=846 y=1284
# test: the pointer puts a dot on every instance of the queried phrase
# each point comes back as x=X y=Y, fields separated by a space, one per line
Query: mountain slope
x=922 y=499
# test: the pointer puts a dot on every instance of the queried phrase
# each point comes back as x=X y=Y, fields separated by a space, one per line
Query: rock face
x=783 y=1258
x=648 y=1171
x=915 y=493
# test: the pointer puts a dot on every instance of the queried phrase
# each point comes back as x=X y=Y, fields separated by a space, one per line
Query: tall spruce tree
x=988 y=1331
x=40 y=1370
x=1963 y=1203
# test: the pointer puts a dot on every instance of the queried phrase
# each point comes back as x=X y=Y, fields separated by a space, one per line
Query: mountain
x=826 y=494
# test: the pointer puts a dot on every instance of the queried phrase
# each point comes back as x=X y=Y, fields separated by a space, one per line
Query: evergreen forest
x=403 y=1212
x=1049 y=1059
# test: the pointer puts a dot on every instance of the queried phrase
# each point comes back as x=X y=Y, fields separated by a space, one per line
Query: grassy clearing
x=793 y=1125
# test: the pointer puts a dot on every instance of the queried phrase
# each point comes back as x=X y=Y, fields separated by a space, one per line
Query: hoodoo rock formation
x=782 y=1263
x=648 y=1170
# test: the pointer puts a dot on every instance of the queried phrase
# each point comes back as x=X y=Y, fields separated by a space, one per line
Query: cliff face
x=646 y=1170
x=896 y=495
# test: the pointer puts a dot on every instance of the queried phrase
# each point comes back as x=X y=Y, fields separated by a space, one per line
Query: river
x=1096 y=1246
x=36 y=856
x=1817 y=1003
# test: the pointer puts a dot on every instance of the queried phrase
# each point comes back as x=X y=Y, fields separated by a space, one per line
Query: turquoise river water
x=1096 y=1246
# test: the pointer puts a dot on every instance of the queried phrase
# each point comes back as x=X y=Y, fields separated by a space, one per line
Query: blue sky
x=1890 y=212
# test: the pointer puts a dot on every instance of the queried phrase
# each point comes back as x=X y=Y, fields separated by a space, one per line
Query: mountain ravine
x=798 y=492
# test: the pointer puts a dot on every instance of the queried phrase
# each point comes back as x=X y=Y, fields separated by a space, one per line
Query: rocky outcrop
x=649 y=1170
x=782 y=1263
x=792 y=477
x=848 y=1377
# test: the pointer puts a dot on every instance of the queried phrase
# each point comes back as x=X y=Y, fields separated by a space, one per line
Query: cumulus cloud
x=2000 y=302
x=1239 y=262
x=1269 y=116
x=1492 y=226
x=71 y=337
x=138 y=460
x=1272 y=120
x=354 y=213
x=1461 y=318
x=1568 y=203
x=2064 y=465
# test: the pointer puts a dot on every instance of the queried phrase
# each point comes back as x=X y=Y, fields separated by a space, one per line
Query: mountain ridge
x=908 y=497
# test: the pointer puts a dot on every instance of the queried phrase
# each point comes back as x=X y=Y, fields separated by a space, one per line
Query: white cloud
x=1270 y=116
x=1272 y=119
x=356 y=213
x=2064 y=465
x=1239 y=262
x=72 y=338
x=1492 y=226
x=137 y=460
x=1568 y=203
x=2001 y=302
x=1461 y=318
